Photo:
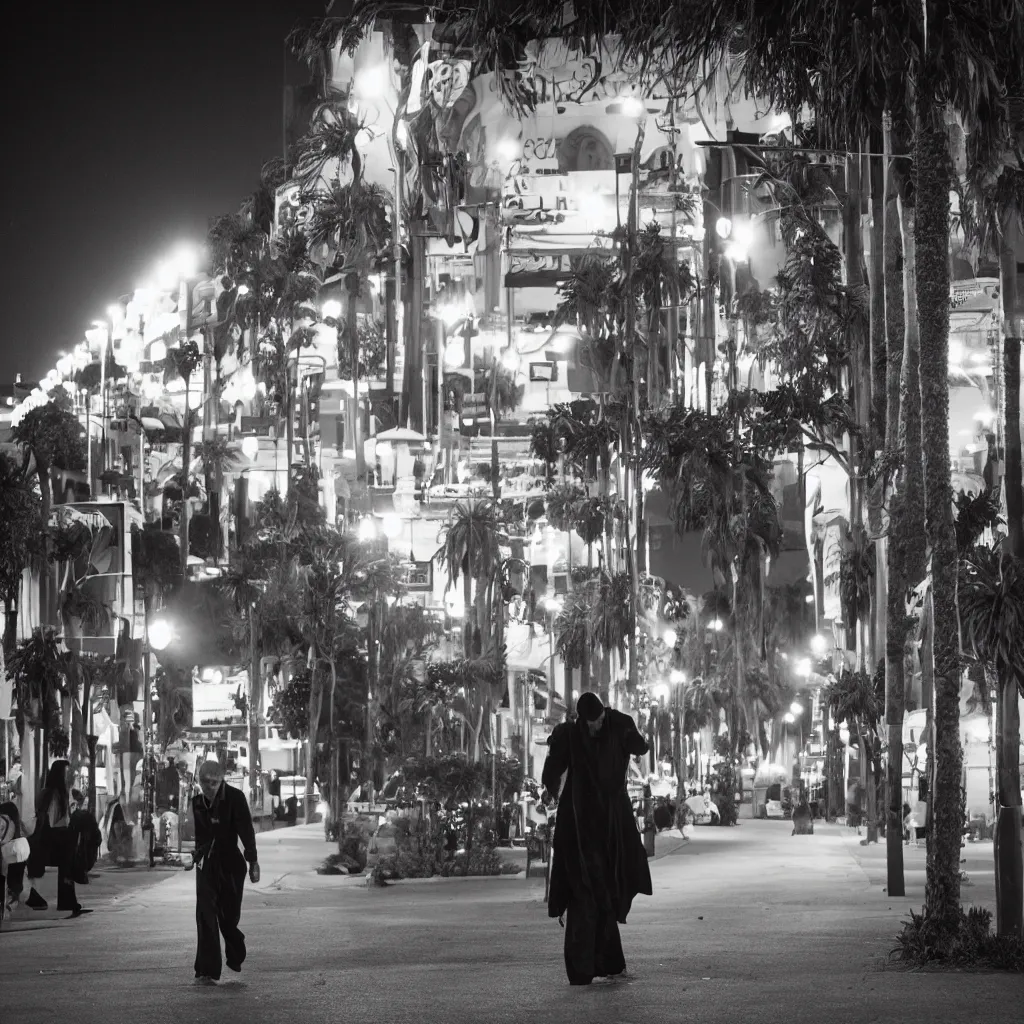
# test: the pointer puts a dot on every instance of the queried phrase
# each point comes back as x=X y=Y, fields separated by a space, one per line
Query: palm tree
x=217 y=456
x=991 y=598
x=41 y=670
x=21 y=536
x=855 y=698
x=51 y=438
x=181 y=362
x=470 y=548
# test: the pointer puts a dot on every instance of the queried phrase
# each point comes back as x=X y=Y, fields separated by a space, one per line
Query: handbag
x=14 y=852
x=14 y=849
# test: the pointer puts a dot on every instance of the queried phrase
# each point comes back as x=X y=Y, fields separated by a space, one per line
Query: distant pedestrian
x=53 y=842
x=14 y=852
x=222 y=820
x=599 y=860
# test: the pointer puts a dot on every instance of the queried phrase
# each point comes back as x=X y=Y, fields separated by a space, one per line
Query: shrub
x=924 y=941
x=428 y=852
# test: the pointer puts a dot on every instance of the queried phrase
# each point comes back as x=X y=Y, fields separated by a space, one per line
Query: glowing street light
x=723 y=227
x=454 y=354
x=391 y=524
x=796 y=708
x=717 y=625
x=331 y=309
x=369 y=83
x=670 y=637
x=161 y=634
x=818 y=645
x=367 y=530
x=251 y=448
x=553 y=603
x=789 y=718
x=659 y=693
x=677 y=676
x=803 y=667
x=511 y=360
x=509 y=149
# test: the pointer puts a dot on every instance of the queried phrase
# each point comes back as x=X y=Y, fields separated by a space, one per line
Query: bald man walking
x=222 y=821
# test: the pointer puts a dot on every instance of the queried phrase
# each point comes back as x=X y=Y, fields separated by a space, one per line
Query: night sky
x=127 y=125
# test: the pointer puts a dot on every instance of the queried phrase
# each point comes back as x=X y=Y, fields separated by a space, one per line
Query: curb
x=441 y=879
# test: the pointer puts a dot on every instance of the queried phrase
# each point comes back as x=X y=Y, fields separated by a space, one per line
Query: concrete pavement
x=747 y=925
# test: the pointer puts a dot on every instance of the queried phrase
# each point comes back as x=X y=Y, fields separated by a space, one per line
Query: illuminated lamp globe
x=454 y=354
x=818 y=645
x=509 y=149
x=391 y=524
x=717 y=625
x=367 y=530
x=723 y=227
x=331 y=309
x=677 y=676
x=511 y=359
x=796 y=708
x=789 y=718
x=369 y=82
x=251 y=448
x=659 y=692
x=243 y=289
x=671 y=637
x=161 y=634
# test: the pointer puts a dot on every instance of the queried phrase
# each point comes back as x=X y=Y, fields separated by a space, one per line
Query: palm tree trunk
x=1009 y=861
x=495 y=483
x=47 y=607
x=894 y=319
x=467 y=593
x=352 y=327
x=931 y=163
x=901 y=519
x=252 y=706
x=186 y=454
x=876 y=281
x=316 y=699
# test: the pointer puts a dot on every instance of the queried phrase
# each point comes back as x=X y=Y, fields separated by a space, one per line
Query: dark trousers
x=55 y=848
x=218 y=910
x=15 y=878
x=593 y=947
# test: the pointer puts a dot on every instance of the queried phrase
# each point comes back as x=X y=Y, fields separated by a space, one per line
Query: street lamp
x=818 y=645
x=161 y=634
x=391 y=524
x=796 y=708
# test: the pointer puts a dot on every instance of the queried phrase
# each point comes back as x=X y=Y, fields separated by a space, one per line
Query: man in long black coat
x=222 y=820
x=599 y=859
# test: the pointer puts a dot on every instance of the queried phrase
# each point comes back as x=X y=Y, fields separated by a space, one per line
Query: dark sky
x=127 y=125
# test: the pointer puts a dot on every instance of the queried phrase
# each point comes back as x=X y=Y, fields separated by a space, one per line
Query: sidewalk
x=976 y=861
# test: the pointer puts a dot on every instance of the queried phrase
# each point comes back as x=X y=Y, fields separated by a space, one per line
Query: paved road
x=748 y=926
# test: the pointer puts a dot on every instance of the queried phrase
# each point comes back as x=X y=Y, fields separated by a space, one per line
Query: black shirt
x=220 y=826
